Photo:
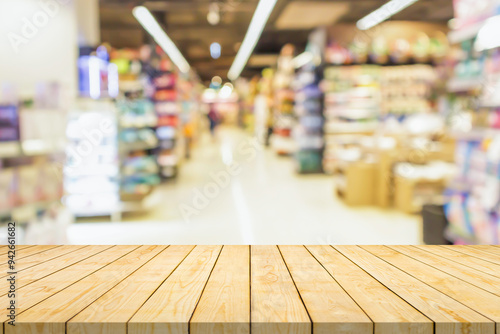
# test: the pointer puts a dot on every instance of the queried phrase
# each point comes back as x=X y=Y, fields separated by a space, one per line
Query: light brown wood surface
x=170 y=308
x=254 y=289
x=449 y=315
x=224 y=306
x=469 y=295
x=276 y=307
x=331 y=309
x=478 y=253
x=390 y=313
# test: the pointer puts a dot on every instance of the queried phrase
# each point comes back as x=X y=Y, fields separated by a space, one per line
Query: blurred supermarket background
x=250 y=122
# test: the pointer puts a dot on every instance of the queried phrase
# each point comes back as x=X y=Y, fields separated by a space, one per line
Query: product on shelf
x=352 y=105
x=473 y=202
x=309 y=105
x=91 y=172
x=32 y=142
x=283 y=104
x=474 y=195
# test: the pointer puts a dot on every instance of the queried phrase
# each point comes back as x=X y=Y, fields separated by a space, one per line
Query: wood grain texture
x=170 y=308
x=42 y=289
x=331 y=309
x=224 y=307
x=484 y=281
x=43 y=269
x=470 y=295
x=4 y=249
x=477 y=253
x=110 y=313
x=62 y=306
x=488 y=249
x=449 y=315
x=466 y=260
x=24 y=254
x=276 y=307
x=257 y=289
x=390 y=313
x=42 y=257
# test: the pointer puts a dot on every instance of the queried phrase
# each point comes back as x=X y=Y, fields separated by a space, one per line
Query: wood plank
x=487 y=248
x=493 y=258
x=110 y=313
x=473 y=276
x=466 y=260
x=224 y=307
x=4 y=249
x=36 y=292
x=470 y=295
x=169 y=309
x=24 y=253
x=449 y=315
x=276 y=307
x=390 y=313
x=40 y=258
x=50 y=315
x=34 y=273
x=331 y=309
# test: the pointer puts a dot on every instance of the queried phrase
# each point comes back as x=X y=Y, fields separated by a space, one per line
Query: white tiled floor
x=264 y=202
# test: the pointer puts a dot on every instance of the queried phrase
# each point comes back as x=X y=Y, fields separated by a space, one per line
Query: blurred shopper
x=213 y=118
x=270 y=126
x=188 y=135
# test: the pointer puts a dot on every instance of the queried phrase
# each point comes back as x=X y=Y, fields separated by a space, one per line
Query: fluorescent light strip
x=303 y=59
x=383 y=13
x=148 y=22
x=94 y=77
x=259 y=20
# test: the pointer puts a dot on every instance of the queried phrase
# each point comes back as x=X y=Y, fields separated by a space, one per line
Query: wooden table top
x=257 y=289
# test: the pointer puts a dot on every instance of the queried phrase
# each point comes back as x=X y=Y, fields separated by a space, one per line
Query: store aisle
x=233 y=191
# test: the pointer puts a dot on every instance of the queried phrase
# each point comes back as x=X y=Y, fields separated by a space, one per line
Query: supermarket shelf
x=456 y=85
x=25 y=212
x=453 y=235
x=25 y=149
x=226 y=289
x=476 y=133
x=129 y=147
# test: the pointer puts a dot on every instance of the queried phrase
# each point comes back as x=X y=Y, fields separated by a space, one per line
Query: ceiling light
x=303 y=59
x=213 y=16
x=488 y=37
x=225 y=92
x=259 y=20
x=383 y=13
x=215 y=50
x=148 y=22
x=217 y=81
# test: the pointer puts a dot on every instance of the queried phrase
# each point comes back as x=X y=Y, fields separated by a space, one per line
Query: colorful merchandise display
x=32 y=153
x=473 y=202
x=168 y=110
x=283 y=104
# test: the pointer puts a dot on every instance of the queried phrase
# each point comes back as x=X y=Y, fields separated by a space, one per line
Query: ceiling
x=185 y=21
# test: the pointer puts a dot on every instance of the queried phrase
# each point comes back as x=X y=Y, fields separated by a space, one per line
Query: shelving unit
x=473 y=201
x=32 y=153
x=283 y=105
x=352 y=107
x=168 y=109
x=92 y=169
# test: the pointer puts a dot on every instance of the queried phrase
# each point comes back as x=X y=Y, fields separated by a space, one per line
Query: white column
x=87 y=12
x=38 y=43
